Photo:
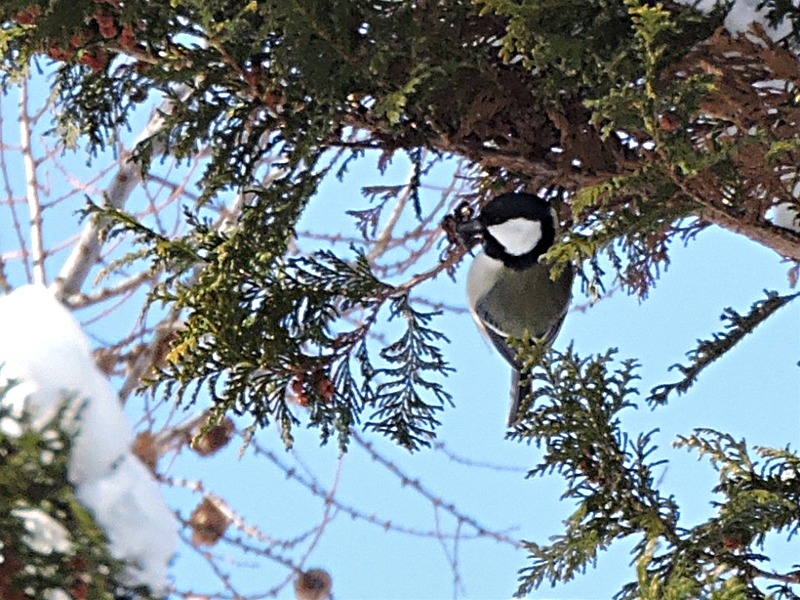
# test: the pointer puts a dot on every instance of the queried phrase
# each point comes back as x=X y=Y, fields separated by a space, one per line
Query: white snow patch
x=45 y=534
x=140 y=527
x=771 y=84
x=43 y=346
x=785 y=215
x=743 y=14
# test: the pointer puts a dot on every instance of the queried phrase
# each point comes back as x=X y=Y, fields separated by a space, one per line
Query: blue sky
x=752 y=393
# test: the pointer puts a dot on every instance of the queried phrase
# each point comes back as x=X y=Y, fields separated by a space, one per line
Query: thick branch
x=784 y=241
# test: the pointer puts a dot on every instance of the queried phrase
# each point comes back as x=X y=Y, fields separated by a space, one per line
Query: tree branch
x=81 y=300
x=784 y=241
x=86 y=252
x=32 y=188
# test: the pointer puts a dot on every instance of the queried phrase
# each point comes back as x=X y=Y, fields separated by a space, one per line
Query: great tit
x=508 y=289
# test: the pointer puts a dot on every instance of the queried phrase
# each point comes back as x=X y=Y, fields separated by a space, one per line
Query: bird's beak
x=470 y=232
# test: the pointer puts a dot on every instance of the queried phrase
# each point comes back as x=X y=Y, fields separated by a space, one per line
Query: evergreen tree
x=643 y=123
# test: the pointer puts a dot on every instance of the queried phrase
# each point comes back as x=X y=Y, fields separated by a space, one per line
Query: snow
x=45 y=534
x=43 y=346
x=785 y=215
x=778 y=85
x=743 y=13
x=139 y=516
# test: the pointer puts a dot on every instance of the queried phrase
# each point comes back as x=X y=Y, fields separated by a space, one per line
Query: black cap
x=516 y=205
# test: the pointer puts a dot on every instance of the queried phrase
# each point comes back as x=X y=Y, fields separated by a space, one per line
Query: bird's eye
x=463 y=212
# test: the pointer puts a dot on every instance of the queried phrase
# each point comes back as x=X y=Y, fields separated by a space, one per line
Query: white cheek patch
x=518 y=236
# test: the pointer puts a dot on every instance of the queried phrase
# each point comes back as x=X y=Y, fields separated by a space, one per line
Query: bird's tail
x=519 y=391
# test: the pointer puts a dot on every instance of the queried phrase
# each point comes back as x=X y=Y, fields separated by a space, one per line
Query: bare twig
x=468 y=462
x=87 y=251
x=32 y=187
x=81 y=300
x=22 y=244
x=387 y=233
x=310 y=482
x=431 y=497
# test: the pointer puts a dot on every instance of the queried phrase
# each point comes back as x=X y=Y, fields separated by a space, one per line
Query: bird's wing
x=552 y=333
x=496 y=335
x=498 y=338
x=566 y=280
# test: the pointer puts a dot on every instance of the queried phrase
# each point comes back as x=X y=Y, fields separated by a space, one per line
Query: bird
x=510 y=292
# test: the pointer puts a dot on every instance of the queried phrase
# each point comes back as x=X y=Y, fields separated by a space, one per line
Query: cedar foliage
x=643 y=122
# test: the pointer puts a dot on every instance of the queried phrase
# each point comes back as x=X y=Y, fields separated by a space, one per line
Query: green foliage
x=681 y=585
x=589 y=47
x=633 y=217
x=573 y=416
x=402 y=412
x=260 y=325
x=247 y=80
x=628 y=220
x=634 y=105
x=737 y=326
x=33 y=475
x=571 y=44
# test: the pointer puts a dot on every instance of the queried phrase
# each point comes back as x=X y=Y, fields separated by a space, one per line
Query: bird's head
x=515 y=228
